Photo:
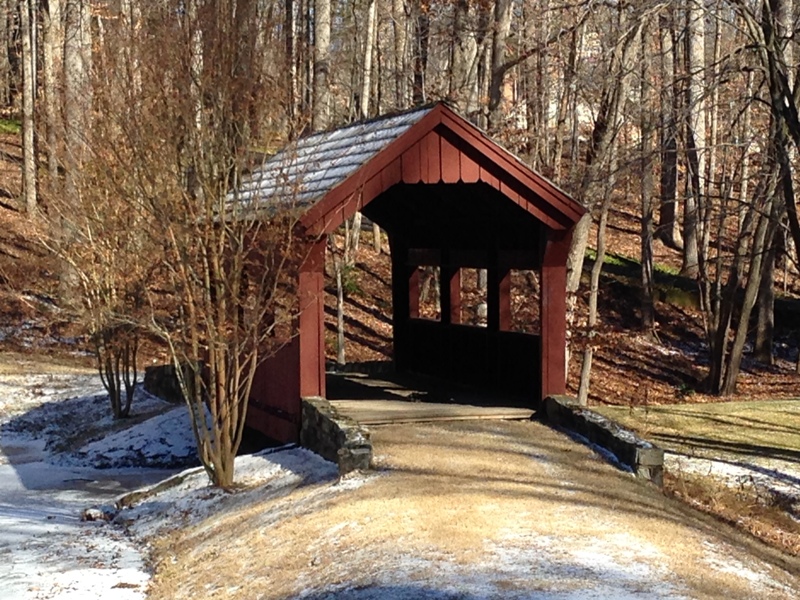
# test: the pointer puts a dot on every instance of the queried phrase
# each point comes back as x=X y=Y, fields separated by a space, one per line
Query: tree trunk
x=369 y=46
x=765 y=329
x=28 y=20
x=53 y=62
x=502 y=26
x=422 y=31
x=537 y=90
x=322 y=40
x=565 y=105
x=646 y=151
x=604 y=136
x=338 y=265
x=5 y=62
x=77 y=88
x=744 y=141
x=594 y=289
x=764 y=233
x=400 y=28
x=377 y=244
x=668 y=226
x=695 y=135
x=710 y=188
x=290 y=44
x=463 y=71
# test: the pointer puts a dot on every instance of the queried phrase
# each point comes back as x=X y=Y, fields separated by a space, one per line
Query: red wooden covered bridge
x=448 y=196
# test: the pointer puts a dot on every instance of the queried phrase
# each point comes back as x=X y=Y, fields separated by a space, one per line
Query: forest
x=675 y=121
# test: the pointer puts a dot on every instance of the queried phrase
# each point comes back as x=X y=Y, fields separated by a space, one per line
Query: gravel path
x=471 y=510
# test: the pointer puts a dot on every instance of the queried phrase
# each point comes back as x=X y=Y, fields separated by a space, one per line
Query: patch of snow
x=46 y=551
x=263 y=475
x=604 y=453
x=613 y=567
x=720 y=560
x=783 y=481
x=165 y=440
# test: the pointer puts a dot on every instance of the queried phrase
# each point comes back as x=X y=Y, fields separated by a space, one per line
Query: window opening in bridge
x=474 y=297
x=525 y=302
x=430 y=293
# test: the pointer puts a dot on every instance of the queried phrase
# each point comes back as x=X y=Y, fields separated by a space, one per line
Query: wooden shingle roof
x=332 y=174
x=305 y=170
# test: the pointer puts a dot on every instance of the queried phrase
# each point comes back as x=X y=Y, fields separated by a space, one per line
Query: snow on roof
x=307 y=169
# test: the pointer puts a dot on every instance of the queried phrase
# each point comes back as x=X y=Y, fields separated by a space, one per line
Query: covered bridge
x=448 y=196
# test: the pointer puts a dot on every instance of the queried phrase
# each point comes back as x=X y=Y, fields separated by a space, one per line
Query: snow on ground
x=55 y=431
x=772 y=480
x=46 y=551
x=153 y=442
x=268 y=473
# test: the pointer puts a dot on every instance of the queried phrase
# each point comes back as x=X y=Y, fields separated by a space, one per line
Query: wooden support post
x=553 y=311
x=498 y=317
x=412 y=275
x=311 y=322
x=450 y=300
x=455 y=295
x=498 y=300
x=504 y=293
x=400 y=299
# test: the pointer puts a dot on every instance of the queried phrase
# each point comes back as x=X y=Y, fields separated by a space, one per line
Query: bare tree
x=6 y=36
x=170 y=153
x=322 y=40
x=669 y=230
x=695 y=134
x=77 y=86
x=646 y=155
x=28 y=27
x=400 y=15
x=422 y=32
x=500 y=31
x=109 y=262
x=53 y=45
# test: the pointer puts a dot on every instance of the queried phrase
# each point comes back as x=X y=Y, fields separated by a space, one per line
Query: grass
x=760 y=433
x=17 y=363
x=768 y=429
x=630 y=268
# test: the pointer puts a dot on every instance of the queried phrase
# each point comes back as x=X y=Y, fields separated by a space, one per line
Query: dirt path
x=472 y=510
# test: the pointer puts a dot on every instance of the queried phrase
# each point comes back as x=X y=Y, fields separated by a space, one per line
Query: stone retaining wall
x=646 y=460
x=162 y=381
x=334 y=437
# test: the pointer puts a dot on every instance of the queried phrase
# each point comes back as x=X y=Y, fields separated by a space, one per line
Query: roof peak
x=376 y=119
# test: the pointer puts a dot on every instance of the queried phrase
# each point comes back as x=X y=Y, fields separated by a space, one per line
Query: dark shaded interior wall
x=452 y=227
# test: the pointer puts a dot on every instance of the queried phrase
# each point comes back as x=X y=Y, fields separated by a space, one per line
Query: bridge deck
x=393 y=399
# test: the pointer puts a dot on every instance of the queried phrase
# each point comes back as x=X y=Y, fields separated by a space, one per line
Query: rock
x=99 y=513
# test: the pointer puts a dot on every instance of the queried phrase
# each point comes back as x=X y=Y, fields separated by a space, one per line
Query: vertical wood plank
x=451 y=168
x=392 y=174
x=553 y=312
x=433 y=156
x=470 y=171
x=412 y=173
x=371 y=190
x=311 y=324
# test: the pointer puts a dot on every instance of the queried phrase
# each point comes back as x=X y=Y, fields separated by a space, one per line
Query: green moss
x=10 y=126
x=667 y=270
